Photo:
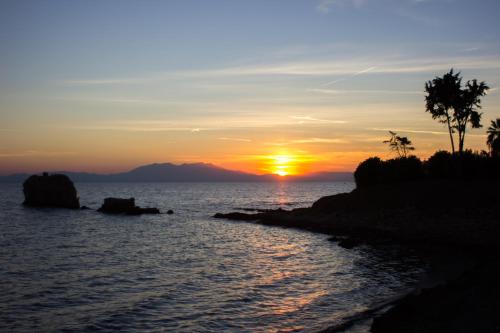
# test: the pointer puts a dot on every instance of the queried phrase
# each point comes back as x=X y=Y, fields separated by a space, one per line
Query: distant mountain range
x=193 y=172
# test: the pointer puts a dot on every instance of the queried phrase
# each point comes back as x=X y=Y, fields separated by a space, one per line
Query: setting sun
x=282 y=165
x=286 y=163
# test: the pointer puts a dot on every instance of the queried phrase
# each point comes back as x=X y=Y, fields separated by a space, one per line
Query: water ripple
x=73 y=271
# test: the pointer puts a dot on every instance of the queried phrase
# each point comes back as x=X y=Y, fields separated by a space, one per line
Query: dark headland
x=447 y=202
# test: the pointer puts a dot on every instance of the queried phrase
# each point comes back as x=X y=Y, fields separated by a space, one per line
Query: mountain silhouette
x=188 y=172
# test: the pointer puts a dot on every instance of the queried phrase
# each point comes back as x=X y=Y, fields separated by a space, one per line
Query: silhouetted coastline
x=447 y=202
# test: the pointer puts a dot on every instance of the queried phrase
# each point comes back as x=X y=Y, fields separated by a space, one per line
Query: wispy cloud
x=492 y=90
x=325 y=6
x=391 y=92
x=142 y=128
x=40 y=153
x=319 y=140
x=350 y=76
x=117 y=100
x=350 y=67
x=313 y=119
x=99 y=82
x=470 y=49
x=405 y=130
x=234 y=139
x=316 y=68
x=419 y=18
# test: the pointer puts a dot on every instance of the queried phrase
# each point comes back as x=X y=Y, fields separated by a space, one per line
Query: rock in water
x=124 y=206
x=50 y=191
x=117 y=205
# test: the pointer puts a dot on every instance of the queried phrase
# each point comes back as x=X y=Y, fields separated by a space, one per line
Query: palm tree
x=493 y=140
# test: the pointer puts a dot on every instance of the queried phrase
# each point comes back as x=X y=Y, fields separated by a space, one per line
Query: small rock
x=124 y=206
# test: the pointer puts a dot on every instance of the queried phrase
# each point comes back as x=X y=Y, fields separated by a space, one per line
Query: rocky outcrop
x=438 y=212
x=50 y=191
x=124 y=206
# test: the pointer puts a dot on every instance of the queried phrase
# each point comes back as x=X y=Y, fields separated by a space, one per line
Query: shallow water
x=82 y=270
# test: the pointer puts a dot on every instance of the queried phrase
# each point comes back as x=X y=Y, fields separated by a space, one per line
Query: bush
x=440 y=165
x=403 y=169
x=368 y=172
x=375 y=171
x=468 y=165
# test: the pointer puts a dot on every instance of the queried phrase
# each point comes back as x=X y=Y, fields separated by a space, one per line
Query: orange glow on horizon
x=285 y=163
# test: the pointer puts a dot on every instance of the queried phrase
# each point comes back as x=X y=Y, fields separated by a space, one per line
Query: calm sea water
x=65 y=270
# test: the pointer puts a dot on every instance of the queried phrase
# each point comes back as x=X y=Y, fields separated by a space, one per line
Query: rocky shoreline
x=430 y=216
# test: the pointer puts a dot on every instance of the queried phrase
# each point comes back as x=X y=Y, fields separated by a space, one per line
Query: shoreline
x=431 y=217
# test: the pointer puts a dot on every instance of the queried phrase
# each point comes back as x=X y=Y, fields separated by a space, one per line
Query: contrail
x=347 y=77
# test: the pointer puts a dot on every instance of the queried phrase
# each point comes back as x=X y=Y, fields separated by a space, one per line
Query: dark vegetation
x=400 y=144
x=493 y=140
x=455 y=105
x=442 y=165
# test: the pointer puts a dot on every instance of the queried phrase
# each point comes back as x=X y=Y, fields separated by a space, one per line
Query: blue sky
x=106 y=85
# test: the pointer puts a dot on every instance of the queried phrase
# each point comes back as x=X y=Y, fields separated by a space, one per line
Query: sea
x=67 y=270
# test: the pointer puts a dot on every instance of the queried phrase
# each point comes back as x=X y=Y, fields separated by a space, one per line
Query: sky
x=308 y=85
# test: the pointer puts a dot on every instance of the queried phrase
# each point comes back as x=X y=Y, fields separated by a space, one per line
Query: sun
x=285 y=163
x=281 y=173
x=282 y=165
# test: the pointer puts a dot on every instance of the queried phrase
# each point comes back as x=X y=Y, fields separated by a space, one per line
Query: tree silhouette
x=493 y=140
x=442 y=94
x=399 y=144
x=454 y=105
x=466 y=112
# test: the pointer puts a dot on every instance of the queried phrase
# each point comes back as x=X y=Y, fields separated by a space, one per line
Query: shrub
x=440 y=165
x=402 y=169
x=375 y=171
x=368 y=172
x=468 y=165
